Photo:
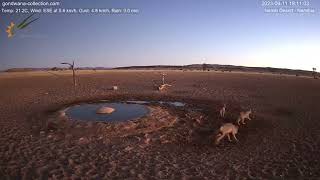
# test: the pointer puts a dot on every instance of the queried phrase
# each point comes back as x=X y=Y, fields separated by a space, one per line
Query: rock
x=52 y=124
x=165 y=141
x=49 y=136
x=79 y=126
x=132 y=172
x=199 y=121
x=140 y=176
x=161 y=174
x=128 y=148
x=62 y=114
x=105 y=110
x=129 y=125
x=147 y=140
x=78 y=169
x=83 y=140
x=71 y=162
x=138 y=138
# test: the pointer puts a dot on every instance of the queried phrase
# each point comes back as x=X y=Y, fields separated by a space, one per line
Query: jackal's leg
x=229 y=138
x=238 y=121
x=234 y=136
x=249 y=118
x=219 y=138
x=221 y=113
x=243 y=121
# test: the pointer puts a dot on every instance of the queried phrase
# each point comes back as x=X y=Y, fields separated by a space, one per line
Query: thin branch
x=73 y=74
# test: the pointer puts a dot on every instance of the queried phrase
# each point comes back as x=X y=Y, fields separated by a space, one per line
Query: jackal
x=227 y=129
x=223 y=110
x=244 y=115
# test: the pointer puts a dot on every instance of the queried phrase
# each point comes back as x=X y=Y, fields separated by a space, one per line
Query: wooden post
x=73 y=75
x=163 y=75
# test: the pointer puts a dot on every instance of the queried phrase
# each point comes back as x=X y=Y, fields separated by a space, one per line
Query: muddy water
x=123 y=112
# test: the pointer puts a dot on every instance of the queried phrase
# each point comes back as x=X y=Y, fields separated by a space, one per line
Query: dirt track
x=281 y=142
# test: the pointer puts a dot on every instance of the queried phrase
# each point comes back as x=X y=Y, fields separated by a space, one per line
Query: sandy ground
x=281 y=142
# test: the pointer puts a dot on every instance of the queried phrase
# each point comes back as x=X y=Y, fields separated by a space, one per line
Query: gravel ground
x=281 y=142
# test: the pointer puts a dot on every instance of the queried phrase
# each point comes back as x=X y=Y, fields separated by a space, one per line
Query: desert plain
x=282 y=141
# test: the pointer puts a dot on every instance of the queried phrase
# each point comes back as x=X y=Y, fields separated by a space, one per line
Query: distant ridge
x=206 y=67
x=219 y=67
x=53 y=69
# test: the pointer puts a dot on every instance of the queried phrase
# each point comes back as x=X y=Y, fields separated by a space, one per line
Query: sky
x=165 y=32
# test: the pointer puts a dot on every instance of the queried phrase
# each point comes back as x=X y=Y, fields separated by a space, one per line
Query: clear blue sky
x=173 y=32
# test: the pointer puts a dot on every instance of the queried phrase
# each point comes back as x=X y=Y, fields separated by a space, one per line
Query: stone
x=105 y=110
x=147 y=140
x=52 y=124
x=128 y=148
x=42 y=133
x=83 y=140
x=62 y=114
x=50 y=136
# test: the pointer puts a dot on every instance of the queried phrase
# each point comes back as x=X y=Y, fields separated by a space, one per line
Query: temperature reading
x=24 y=11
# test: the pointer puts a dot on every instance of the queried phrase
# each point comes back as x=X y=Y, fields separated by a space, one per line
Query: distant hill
x=218 y=67
x=53 y=69
x=26 y=69
x=206 y=67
